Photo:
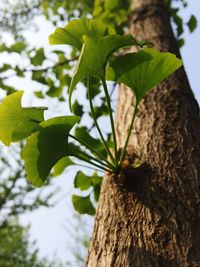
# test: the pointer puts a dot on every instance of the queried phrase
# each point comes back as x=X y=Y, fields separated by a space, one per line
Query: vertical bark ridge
x=153 y=217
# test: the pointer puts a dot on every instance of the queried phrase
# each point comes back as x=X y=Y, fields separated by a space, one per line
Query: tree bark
x=152 y=217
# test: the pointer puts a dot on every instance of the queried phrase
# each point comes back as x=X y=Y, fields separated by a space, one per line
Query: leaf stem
x=88 y=167
x=111 y=120
x=95 y=121
x=94 y=151
x=129 y=133
x=103 y=166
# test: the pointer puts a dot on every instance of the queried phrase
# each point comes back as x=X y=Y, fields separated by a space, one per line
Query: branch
x=41 y=69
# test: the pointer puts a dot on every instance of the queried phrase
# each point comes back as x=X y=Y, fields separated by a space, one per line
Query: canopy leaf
x=39 y=57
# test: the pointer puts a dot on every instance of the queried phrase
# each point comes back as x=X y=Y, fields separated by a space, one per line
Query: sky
x=190 y=51
x=52 y=227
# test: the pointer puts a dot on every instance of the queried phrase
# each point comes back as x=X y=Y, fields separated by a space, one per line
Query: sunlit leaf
x=94 y=56
x=83 y=205
x=73 y=32
x=143 y=70
x=17 y=123
x=46 y=147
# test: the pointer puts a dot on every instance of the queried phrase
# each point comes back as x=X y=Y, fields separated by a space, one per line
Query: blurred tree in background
x=17 y=250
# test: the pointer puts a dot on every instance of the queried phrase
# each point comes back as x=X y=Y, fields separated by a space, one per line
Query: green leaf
x=16 y=123
x=112 y=4
x=3 y=48
x=73 y=32
x=46 y=147
x=19 y=72
x=54 y=91
x=5 y=67
x=192 y=23
x=180 y=42
x=77 y=108
x=96 y=183
x=83 y=205
x=82 y=181
x=61 y=165
x=39 y=57
x=39 y=94
x=177 y=20
x=39 y=76
x=96 y=180
x=17 y=47
x=89 y=141
x=97 y=192
x=143 y=70
x=94 y=56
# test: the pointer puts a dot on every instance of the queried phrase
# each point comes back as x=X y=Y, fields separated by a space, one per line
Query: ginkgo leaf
x=39 y=57
x=82 y=181
x=83 y=205
x=143 y=70
x=94 y=56
x=16 y=122
x=46 y=147
x=61 y=165
x=73 y=32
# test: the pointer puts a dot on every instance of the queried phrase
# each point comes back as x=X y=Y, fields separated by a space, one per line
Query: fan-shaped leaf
x=46 y=147
x=94 y=56
x=83 y=205
x=143 y=70
x=17 y=123
x=73 y=32
x=82 y=181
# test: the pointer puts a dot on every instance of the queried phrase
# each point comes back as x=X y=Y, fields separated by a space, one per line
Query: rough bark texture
x=153 y=218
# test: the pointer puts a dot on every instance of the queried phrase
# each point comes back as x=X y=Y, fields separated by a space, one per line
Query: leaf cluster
x=49 y=142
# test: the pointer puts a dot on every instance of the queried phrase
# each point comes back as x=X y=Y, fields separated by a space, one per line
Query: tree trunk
x=151 y=218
